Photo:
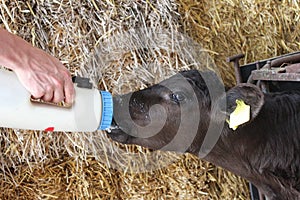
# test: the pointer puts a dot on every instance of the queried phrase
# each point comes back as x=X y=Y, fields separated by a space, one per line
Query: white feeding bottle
x=92 y=109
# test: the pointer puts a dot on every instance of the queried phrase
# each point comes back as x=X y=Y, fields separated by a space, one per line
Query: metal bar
x=287 y=59
x=273 y=75
x=235 y=59
x=262 y=62
x=254 y=192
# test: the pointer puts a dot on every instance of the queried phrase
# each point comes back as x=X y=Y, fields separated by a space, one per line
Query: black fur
x=265 y=150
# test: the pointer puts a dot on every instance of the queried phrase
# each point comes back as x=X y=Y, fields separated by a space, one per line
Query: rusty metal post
x=290 y=59
x=235 y=59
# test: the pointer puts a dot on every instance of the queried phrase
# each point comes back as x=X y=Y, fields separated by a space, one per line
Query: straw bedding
x=124 y=46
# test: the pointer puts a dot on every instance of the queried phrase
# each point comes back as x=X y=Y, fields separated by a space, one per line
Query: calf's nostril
x=138 y=105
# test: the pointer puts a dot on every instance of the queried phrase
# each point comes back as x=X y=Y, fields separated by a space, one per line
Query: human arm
x=43 y=75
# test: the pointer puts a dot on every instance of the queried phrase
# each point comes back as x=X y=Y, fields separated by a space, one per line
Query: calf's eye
x=177 y=97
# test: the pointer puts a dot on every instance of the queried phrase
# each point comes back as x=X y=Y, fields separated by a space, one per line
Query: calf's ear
x=237 y=98
x=248 y=93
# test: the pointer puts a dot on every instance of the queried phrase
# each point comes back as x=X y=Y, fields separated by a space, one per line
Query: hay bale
x=39 y=165
x=259 y=29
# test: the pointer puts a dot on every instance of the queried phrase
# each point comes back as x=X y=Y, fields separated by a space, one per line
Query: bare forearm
x=11 y=47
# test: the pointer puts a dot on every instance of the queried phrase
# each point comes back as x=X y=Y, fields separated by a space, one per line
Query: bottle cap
x=107 y=110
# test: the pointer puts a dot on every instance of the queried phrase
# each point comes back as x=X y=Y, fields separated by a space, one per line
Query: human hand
x=43 y=75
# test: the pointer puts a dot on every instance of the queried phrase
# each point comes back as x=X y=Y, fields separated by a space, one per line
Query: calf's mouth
x=116 y=133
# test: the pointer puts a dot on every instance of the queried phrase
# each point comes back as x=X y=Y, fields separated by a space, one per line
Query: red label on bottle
x=50 y=128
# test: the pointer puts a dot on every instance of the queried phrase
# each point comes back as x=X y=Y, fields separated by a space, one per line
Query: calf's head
x=177 y=113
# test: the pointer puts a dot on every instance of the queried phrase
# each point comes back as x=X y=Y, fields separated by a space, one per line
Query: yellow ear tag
x=240 y=115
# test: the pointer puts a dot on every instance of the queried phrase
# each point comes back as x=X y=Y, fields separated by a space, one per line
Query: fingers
x=65 y=89
x=54 y=88
x=62 y=89
x=69 y=92
x=37 y=94
x=48 y=96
